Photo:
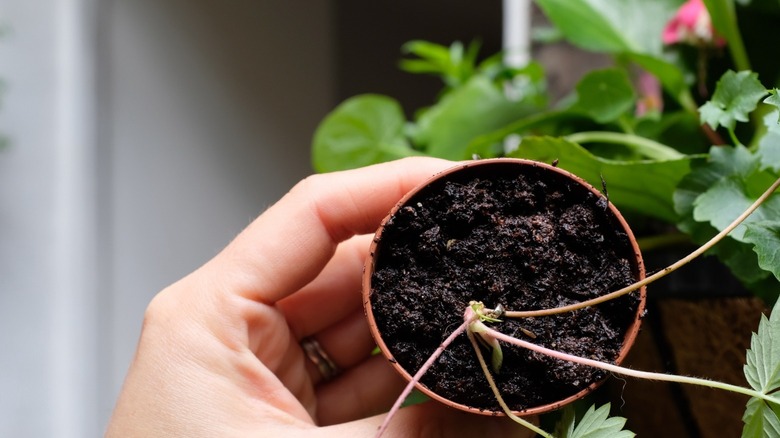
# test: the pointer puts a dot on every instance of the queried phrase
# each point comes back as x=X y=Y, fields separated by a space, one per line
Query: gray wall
x=144 y=135
x=210 y=111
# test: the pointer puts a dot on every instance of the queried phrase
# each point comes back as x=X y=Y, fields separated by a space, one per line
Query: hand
x=220 y=353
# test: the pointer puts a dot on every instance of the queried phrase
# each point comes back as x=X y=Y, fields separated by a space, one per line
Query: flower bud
x=692 y=25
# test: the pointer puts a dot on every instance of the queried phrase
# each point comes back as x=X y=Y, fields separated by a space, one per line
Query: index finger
x=288 y=245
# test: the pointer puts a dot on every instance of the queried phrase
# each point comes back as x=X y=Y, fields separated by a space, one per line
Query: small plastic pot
x=486 y=168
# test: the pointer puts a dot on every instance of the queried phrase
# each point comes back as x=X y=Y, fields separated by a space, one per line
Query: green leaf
x=722 y=163
x=596 y=423
x=492 y=144
x=476 y=108
x=729 y=197
x=722 y=16
x=725 y=199
x=774 y=100
x=605 y=95
x=740 y=171
x=762 y=370
x=736 y=96
x=724 y=20
x=769 y=144
x=644 y=187
x=631 y=28
x=761 y=420
x=743 y=262
x=363 y=130
x=765 y=236
x=454 y=64
x=611 y=26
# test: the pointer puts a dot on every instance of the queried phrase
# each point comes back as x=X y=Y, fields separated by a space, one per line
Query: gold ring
x=317 y=355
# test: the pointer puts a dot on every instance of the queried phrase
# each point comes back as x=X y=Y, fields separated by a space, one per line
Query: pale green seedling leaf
x=596 y=423
x=765 y=236
x=605 y=95
x=496 y=355
x=736 y=96
x=363 y=130
x=644 y=187
x=762 y=371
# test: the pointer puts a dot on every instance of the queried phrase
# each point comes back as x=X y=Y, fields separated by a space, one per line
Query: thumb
x=433 y=420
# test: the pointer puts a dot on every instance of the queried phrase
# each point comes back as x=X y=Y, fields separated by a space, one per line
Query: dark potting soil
x=517 y=235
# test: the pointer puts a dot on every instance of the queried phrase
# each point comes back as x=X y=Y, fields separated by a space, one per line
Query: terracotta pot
x=489 y=167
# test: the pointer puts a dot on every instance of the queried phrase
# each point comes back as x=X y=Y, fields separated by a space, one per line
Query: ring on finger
x=317 y=355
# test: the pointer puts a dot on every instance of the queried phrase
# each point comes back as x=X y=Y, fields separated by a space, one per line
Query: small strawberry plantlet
x=762 y=368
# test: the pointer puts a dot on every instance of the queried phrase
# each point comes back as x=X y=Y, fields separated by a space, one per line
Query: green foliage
x=765 y=237
x=762 y=370
x=769 y=144
x=735 y=97
x=476 y=108
x=605 y=95
x=596 y=423
x=724 y=20
x=658 y=165
x=713 y=194
x=729 y=197
x=369 y=129
x=630 y=26
x=454 y=64
x=363 y=130
x=773 y=99
x=645 y=187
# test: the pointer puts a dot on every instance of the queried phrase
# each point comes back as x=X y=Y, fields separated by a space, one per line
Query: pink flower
x=650 y=99
x=692 y=25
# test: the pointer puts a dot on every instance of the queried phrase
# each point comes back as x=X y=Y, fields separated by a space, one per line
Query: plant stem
x=724 y=19
x=685 y=99
x=421 y=372
x=660 y=274
x=633 y=373
x=734 y=139
x=497 y=394
x=737 y=47
x=648 y=148
x=712 y=136
x=625 y=125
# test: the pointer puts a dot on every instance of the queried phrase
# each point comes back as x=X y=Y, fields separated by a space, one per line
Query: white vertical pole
x=517 y=32
x=73 y=364
x=517 y=49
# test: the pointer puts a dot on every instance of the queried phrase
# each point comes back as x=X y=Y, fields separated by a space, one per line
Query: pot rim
x=631 y=332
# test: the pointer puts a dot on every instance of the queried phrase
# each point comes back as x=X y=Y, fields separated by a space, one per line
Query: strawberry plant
x=683 y=128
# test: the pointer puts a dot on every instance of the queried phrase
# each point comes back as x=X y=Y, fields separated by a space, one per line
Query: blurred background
x=141 y=136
